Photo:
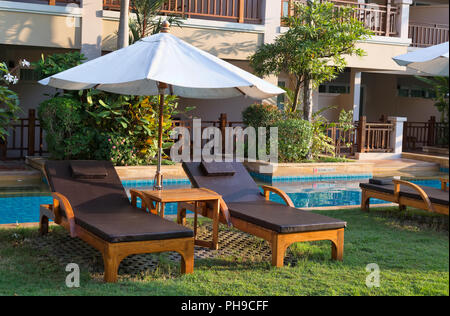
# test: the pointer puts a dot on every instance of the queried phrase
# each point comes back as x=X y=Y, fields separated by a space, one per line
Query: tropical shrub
x=118 y=149
x=321 y=142
x=122 y=129
x=52 y=64
x=261 y=115
x=62 y=118
x=136 y=118
x=9 y=101
x=294 y=139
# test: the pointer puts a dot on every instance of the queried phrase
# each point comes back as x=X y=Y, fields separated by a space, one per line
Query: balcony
x=381 y=19
x=239 y=11
x=50 y=2
x=424 y=35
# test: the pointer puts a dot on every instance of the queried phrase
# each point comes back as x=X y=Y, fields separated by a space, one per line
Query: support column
x=403 y=18
x=397 y=135
x=355 y=92
x=271 y=14
x=272 y=20
x=91 y=28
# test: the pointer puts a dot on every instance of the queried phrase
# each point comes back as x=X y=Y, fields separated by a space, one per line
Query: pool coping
x=320 y=171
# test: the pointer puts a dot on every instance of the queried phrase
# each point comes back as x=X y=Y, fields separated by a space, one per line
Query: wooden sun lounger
x=96 y=209
x=245 y=208
x=408 y=194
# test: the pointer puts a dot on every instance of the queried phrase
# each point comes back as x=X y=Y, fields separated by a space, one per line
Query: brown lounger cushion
x=217 y=169
x=381 y=181
x=435 y=195
x=87 y=170
x=102 y=207
x=237 y=188
x=245 y=201
x=282 y=218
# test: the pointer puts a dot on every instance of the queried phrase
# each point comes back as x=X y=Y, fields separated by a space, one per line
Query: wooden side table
x=151 y=199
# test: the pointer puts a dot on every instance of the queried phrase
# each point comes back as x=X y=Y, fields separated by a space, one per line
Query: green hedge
x=294 y=139
x=261 y=115
x=66 y=138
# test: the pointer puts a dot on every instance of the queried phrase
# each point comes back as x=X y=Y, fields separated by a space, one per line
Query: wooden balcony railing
x=25 y=138
x=50 y=2
x=419 y=134
x=381 y=19
x=241 y=11
x=424 y=35
x=374 y=137
x=343 y=139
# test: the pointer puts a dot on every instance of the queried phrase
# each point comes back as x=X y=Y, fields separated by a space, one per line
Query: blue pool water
x=24 y=209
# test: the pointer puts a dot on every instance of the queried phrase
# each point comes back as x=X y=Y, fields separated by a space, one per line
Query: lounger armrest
x=444 y=183
x=419 y=190
x=225 y=212
x=267 y=189
x=61 y=202
x=223 y=209
x=145 y=202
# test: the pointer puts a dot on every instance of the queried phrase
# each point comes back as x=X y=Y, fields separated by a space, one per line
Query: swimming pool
x=24 y=208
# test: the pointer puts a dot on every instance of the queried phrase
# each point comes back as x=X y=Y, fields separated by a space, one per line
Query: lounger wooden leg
x=402 y=207
x=278 y=251
x=365 y=201
x=111 y=264
x=187 y=258
x=43 y=225
x=215 y=232
x=337 y=245
x=181 y=215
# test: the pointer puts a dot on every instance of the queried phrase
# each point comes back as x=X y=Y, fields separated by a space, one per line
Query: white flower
x=9 y=78
x=15 y=80
x=25 y=63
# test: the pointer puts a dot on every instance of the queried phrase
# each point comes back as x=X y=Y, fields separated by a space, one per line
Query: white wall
x=435 y=14
x=210 y=110
x=380 y=97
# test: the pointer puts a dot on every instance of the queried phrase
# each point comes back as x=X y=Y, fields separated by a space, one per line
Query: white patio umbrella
x=160 y=62
x=432 y=60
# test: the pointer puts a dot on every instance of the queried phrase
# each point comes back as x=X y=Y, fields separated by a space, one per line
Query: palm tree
x=145 y=23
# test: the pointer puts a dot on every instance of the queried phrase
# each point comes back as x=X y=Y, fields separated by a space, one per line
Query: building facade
x=372 y=85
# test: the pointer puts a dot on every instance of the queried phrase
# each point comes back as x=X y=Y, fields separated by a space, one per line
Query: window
x=285 y=9
x=411 y=87
x=337 y=88
x=28 y=75
x=403 y=92
x=281 y=97
x=418 y=93
x=414 y=92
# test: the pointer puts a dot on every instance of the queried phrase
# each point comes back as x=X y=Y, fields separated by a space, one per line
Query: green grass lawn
x=413 y=260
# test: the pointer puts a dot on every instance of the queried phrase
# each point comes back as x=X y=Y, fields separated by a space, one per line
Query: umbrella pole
x=158 y=178
x=161 y=87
